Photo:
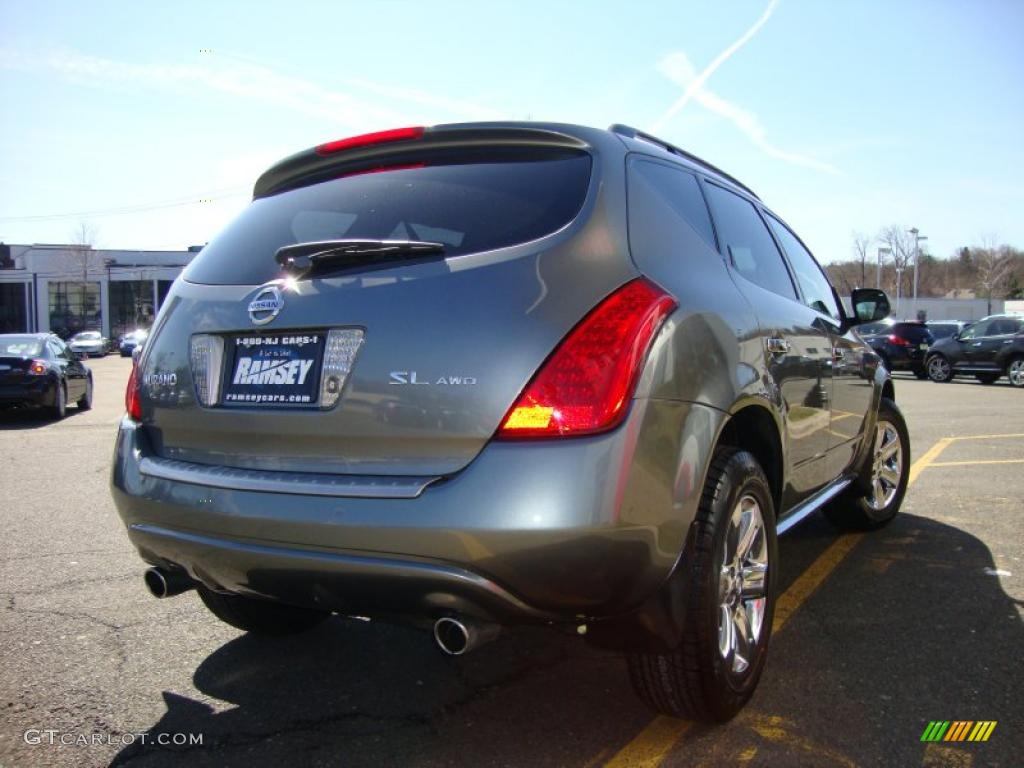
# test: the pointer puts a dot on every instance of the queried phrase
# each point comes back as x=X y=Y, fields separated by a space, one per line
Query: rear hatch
x=429 y=349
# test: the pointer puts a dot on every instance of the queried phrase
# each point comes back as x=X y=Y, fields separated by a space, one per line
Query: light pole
x=899 y=285
x=918 y=237
x=878 y=276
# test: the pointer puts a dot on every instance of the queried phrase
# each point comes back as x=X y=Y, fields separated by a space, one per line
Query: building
x=70 y=288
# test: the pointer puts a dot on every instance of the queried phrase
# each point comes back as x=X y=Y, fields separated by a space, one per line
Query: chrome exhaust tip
x=164 y=582
x=458 y=636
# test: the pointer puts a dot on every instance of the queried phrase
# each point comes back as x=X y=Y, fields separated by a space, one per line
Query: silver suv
x=480 y=375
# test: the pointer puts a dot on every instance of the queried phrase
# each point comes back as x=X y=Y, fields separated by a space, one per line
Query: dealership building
x=71 y=288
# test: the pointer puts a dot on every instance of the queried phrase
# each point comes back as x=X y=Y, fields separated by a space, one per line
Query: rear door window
x=509 y=197
x=748 y=244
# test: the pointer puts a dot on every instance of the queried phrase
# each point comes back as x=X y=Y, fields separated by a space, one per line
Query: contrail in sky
x=698 y=82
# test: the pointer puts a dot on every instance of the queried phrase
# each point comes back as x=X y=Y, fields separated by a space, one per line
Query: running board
x=816 y=502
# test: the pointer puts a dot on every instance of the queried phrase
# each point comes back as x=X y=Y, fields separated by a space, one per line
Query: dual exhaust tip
x=454 y=636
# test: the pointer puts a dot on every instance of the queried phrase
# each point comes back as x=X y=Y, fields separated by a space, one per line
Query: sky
x=150 y=122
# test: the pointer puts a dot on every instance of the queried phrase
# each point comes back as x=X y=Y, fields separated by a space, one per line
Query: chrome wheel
x=742 y=585
x=886 y=466
x=939 y=369
x=1016 y=372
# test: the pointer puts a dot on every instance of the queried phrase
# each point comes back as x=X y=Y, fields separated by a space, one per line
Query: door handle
x=778 y=346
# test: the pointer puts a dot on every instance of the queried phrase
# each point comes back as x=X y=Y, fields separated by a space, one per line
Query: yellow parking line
x=985 y=437
x=978 y=461
x=653 y=744
x=931 y=455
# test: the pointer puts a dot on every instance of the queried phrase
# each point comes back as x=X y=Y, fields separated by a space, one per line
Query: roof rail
x=633 y=133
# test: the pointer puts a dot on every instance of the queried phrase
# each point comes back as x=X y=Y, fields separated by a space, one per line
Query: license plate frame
x=280 y=370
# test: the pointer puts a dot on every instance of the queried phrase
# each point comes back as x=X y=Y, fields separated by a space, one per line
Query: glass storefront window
x=131 y=306
x=74 y=307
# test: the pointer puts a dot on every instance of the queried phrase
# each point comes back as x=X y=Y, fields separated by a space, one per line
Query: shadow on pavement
x=910 y=628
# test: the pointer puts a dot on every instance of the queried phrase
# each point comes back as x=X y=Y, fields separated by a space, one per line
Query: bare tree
x=900 y=243
x=993 y=266
x=861 y=243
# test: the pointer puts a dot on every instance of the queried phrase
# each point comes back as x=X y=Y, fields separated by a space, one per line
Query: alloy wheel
x=886 y=466
x=939 y=369
x=1016 y=372
x=742 y=585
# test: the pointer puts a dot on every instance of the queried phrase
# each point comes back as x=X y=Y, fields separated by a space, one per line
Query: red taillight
x=899 y=341
x=132 y=404
x=584 y=386
x=369 y=139
x=37 y=368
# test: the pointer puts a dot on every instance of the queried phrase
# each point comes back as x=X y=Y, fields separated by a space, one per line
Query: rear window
x=508 y=199
x=20 y=346
x=912 y=332
x=942 y=330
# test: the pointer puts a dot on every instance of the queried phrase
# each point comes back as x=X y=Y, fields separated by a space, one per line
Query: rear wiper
x=302 y=259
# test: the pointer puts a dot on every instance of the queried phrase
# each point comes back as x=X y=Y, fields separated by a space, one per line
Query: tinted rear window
x=20 y=346
x=912 y=331
x=470 y=207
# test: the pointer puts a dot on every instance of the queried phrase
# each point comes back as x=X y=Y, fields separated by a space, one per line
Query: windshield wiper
x=302 y=259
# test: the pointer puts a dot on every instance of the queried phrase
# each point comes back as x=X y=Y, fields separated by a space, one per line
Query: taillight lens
x=132 y=403
x=207 y=354
x=369 y=139
x=898 y=341
x=37 y=368
x=585 y=385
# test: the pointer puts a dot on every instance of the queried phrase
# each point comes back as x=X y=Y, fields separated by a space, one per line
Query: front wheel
x=874 y=499
x=939 y=369
x=730 y=561
x=261 y=617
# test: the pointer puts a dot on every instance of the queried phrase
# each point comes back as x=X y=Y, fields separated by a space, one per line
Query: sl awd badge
x=266 y=305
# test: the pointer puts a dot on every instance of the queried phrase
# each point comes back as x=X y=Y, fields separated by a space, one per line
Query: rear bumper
x=38 y=392
x=528 y=532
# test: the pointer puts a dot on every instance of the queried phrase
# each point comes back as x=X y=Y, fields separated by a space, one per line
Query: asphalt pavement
x=881 y=634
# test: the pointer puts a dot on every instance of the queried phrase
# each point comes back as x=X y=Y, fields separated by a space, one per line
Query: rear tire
x=873 y=500
x=59 y=408
x=85 y=401
x=987 y=378
x=261 y=617
x=939 y=369
x=729 y=561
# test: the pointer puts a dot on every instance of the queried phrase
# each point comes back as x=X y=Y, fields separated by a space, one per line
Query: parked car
x=988 y=349
x=89 y=344
x=901 y=346
x=132 y=340
x=943 y=329
x=39 y=369
x=517 y=374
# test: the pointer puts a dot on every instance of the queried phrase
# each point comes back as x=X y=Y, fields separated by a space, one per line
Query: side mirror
x=869 y=305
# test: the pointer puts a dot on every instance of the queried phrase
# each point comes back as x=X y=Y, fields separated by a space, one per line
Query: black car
x=902 y=346
x=988 y=349
x=38 y=369
x=130 y=341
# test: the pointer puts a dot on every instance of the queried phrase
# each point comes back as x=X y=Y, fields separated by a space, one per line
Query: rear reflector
x=132 y=403
x=339 y=355
x=583 y=388
x=369 y=139
x=207 y=354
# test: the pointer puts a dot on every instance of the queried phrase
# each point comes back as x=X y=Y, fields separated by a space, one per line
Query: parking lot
x=876 y=635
